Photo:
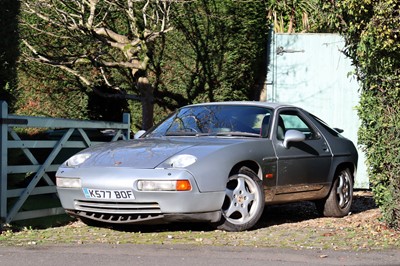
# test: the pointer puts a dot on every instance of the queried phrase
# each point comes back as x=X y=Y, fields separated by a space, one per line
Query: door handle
x=325 y=147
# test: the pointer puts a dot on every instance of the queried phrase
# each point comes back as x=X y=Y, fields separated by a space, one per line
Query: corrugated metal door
x=310 y=71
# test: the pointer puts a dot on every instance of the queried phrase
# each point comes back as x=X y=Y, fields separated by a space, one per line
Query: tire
x=339 y=200
x=244 y=202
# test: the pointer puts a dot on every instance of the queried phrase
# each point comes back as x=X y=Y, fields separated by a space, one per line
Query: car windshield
x=220 y=120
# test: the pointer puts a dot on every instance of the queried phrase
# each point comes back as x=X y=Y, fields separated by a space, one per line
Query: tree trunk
x=146 y=92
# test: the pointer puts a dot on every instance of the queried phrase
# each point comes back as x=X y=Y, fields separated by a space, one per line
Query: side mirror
x=293 y=136
x=139 y=134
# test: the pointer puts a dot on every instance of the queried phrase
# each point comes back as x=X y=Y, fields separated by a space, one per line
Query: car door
x=302 y=165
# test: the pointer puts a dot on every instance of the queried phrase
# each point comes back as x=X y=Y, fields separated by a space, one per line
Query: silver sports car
x=213 y=162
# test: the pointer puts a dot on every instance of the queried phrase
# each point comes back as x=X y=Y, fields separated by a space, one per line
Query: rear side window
x=328 y=128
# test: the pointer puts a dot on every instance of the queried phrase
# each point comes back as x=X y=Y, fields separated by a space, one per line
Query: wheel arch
x=252 y=165
x=349 y=166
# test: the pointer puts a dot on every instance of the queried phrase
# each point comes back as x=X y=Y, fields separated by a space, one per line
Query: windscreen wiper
x=237 y=134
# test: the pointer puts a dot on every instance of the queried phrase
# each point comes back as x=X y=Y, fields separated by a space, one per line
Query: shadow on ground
x=302 y=211
x=272 y=215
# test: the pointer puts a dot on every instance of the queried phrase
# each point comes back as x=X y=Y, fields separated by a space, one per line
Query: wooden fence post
x=126 y=119
x=3 y=159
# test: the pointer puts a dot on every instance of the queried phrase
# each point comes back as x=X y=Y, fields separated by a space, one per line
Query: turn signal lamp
x=183 y=185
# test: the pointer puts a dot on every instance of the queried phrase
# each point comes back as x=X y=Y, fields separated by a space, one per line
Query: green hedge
x=371 y=29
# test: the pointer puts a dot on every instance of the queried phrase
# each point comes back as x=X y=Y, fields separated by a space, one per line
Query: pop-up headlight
x=77 y=159
x=179 y=161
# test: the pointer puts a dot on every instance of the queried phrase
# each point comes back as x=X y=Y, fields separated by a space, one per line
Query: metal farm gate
x=27 y=183
x=310 y=71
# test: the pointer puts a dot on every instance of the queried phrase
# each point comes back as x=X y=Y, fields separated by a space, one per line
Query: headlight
x=68 y=182
x=164 y=185
x=179 y=161
x=77 y=159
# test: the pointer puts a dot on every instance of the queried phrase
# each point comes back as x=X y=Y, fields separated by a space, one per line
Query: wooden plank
x=46 y=122
x=13 y=193
x=38 y=213
x=47 y=144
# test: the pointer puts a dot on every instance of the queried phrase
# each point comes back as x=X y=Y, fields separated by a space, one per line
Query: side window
x=292 y=120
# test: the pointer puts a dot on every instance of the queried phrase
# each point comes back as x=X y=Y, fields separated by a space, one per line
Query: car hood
x=149 y=153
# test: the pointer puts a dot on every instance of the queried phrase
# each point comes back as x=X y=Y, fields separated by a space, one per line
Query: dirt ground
x=304 y=213
x=294 y=226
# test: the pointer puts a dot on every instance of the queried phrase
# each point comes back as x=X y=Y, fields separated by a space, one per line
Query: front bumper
x=147 y=218
x=147 y=206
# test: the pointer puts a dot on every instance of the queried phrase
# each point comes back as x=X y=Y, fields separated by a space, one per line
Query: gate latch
x=281 y=50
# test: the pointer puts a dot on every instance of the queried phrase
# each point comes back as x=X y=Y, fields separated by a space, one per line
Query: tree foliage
x=103 y=44
x=8 y=48
x=214 y=51
x=292 y=15
x=303 y=16
x=217 y=53
x=371 y=29
x=48 y=91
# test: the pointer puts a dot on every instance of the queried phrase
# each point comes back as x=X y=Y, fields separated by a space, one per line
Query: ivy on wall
x=372 y=33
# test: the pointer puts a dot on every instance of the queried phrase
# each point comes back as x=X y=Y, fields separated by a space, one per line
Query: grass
x=295 y=226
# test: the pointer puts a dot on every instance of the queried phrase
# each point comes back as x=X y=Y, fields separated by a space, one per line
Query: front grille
x=115 y=218
x=116 y=212
x=117 y=207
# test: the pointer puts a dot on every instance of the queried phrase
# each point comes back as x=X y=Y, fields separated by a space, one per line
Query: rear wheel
x=244 y=201
x=340 y=198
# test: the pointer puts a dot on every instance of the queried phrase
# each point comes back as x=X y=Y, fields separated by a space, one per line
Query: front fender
x=212 y=171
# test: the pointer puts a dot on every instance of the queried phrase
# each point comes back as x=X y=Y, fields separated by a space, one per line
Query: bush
x=371 y=29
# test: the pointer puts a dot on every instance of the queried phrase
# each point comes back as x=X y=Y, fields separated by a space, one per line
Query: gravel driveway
x=177 y=255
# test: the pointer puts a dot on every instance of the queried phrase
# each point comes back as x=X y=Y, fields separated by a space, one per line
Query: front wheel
x=244 y=201
x=340 y=198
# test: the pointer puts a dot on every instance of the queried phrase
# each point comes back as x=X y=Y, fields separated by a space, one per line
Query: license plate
x=108 y=194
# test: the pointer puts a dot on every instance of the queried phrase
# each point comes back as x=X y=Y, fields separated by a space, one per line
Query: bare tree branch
x=94 y=40
x=64 y=66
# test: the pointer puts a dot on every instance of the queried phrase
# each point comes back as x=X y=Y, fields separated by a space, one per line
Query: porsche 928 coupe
x=218 y=163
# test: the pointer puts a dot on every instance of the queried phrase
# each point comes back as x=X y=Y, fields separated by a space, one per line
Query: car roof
x=272 y=105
